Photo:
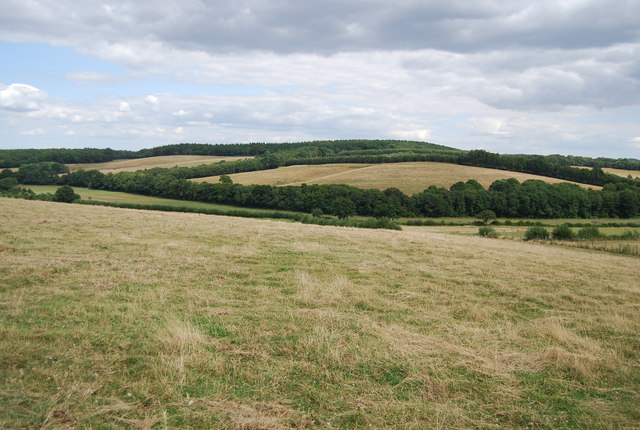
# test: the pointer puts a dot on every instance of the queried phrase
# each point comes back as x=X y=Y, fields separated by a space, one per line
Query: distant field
x=150 y=162
x=619 y=172
x=113 y=318
x=629 y=247
x=410 y=178
x=624 y=173
x=118 y=197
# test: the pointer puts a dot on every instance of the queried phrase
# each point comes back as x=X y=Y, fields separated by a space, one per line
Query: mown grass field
x=118 y=197
x=410 y=178
x=116 y=166
x=114 y=318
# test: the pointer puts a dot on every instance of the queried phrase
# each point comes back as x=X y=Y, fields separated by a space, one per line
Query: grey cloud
x=327 y=27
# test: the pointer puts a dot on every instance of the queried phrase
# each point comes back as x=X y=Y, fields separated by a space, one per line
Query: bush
x=589 y=233
x=630 y=235
x=487 y=232
x=563 y=232
x=536 y=233
x=65 y=194
x=8 y=183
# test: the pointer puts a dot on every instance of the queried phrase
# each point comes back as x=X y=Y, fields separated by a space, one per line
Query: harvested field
x=410 y=178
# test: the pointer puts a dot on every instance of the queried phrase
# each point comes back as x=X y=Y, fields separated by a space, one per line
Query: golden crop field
x=619 y=172
x=116 y=318
x=410 y=178
x=116 y=166
x=623 y=173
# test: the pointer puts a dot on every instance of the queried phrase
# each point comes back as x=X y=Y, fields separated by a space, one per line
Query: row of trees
x=539 y=165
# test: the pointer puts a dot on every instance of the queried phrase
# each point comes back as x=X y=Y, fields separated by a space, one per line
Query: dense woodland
x=337 y=150
x=619 y=197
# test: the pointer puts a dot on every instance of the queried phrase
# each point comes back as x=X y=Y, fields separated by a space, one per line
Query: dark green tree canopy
x=65 y=194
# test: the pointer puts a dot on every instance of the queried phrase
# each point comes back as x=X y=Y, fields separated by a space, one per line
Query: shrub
x=536 y=233
x=630 y=235
x=8 y=183
x=589 y=233
x=487 y=231
x=563 y=232
x=65 y=194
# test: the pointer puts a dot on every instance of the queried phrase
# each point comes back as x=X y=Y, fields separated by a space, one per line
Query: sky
x=508 y=76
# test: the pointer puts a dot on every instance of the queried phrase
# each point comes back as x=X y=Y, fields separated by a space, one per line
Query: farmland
x=124 y=318
x=151 y=162
x=118 y=197
x=409 y=178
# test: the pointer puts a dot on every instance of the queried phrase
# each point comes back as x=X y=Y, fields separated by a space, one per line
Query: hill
x=410 y=178
x=123 y=318
x=131 y=165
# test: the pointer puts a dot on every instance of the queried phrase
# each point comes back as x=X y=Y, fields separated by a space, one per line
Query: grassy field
x=118 y=197
x=113 y=318
x=150 y=162
x=410 y=178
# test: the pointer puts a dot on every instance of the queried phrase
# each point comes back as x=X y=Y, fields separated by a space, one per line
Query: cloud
x=325 y=27
x=21 y=98
x=519 y=76
x=34 y=132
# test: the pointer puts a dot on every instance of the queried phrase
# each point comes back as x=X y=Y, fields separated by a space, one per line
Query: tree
x=343 y=207
x=65 y=194
x=536 y=233
x=8 y=183
x=225 y=180
x=487 y=216
x=563 y=232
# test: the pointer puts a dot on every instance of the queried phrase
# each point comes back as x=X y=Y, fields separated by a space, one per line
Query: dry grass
x=410 y=178
x=114 y=318
x=116 y=166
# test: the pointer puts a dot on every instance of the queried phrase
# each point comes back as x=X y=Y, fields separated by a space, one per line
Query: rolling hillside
x=150 y=162
x=409 y=178
x=123 y=318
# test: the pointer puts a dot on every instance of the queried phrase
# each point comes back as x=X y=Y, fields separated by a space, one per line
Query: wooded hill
x=620 y=197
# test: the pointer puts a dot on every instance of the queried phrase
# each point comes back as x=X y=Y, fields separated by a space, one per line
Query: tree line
x=17 y=157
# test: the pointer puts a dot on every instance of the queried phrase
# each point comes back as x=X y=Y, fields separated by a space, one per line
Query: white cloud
x=124 y=107
x=21 y=98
